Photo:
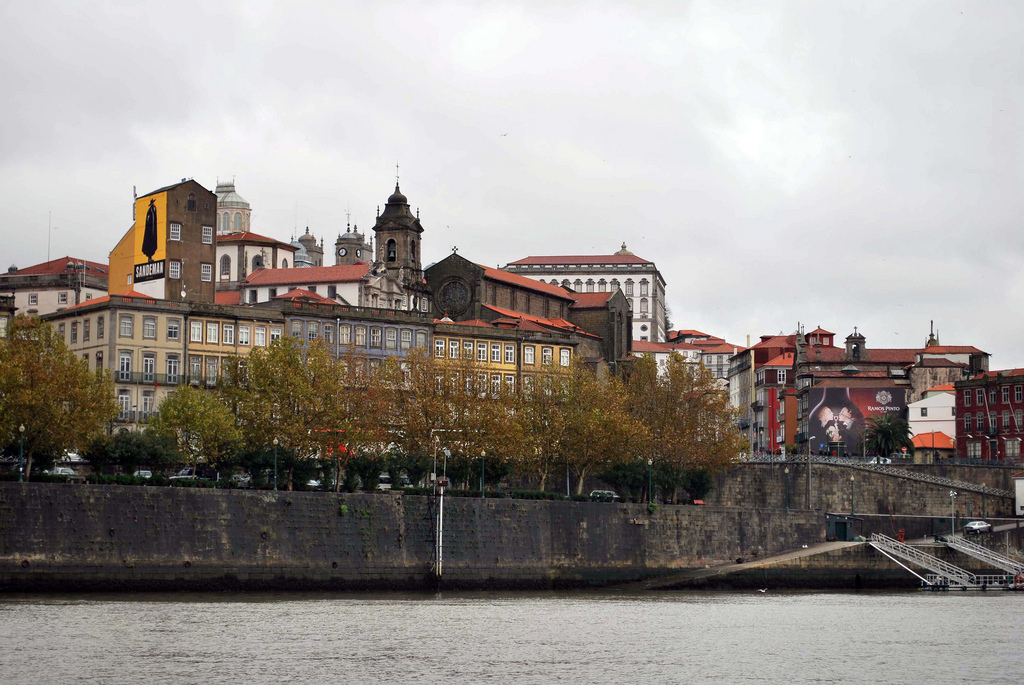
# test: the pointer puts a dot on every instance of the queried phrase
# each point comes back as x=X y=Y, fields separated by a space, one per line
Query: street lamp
x=650 y=480
x=483 y=468
x=787 y=487
x=21 y=455
x=275 y=464
x=851 y=495
x=952 y=512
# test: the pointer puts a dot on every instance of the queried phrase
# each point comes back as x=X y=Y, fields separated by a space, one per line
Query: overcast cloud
x=838 y=164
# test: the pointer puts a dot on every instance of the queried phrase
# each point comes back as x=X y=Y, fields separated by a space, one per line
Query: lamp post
x=952 y=512
x=21 y=455
x=275 y=464
x=650 y=480
x=483 y=468
x=851 y=495
x=787 y=487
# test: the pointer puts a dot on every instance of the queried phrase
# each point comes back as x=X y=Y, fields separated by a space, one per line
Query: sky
x=823 y=163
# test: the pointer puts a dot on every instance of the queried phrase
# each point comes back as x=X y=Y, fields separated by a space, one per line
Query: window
x=124 y=404
x=992 y=395
x=391 y=339
x=1006 y=420
x=924 y=412
x=992 y=420
x=438 y=347
x=360 y=336
x=74 y=331
x=196 y=332
x=590 y=285
x=967 y=423
x=345 y=334
x=148 y=368
x=149 y=327
x=85 y=331
x=967 y=398
x=329 y=332
x=424 y=305
x=311 y=288
x=173 y=369
x=99 y=361
x=1018 y=417
x=481 y=352
x=173 y=329
x=33 y=299
x=207 y=273
x=174 y=270
x=467 y=349
x=375 y=337
x=528 y=354
x=495 y=383
x=643 y=305
x=275 y=333
x=1013 y=448
x=61 y=330
x=124 y=366
x=190 y=203
x=392 y=251
x=979 y=419
x=100 y=323
x=225 y=268
x=175 y=232
x=228 y=334
x=629 y=288
x=1018 y=393
x=578 y=285
x=147 y=403
x=510 y=354
x=211 y=370
x=296 y=329
x=212 y=329
x=780 y=376
x=979 y=396
x=207 y=235
x=407 y=340
x=495 y=353
x=332 y=291
x=127 y=326
x=510 y=383
x=602 y=286
x=564 y=355
x=547 y=355
x=195 y=369
x=243 y=335
x=312 y=331
x=974 y=449
x=62 y=298
x=643 y=287
x=260 y=336
x=1006 y=394
x=453 y=349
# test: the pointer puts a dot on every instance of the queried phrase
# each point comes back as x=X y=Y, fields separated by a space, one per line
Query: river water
x=585 y=637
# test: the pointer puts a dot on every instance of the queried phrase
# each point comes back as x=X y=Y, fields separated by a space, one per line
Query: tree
x=47 y=389
x=887 y=434
x=130 y=450
x=199 y=425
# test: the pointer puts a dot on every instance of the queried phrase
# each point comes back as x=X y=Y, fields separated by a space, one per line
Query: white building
x=54 y=285
x=935 y=413
x=662 y=351
x=353 y=284
x=234 y=215
x=638 y=278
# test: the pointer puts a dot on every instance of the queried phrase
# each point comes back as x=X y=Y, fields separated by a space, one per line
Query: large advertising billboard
x=837 y=416
x=150 y=237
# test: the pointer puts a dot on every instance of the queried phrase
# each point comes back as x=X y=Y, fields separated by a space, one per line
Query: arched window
x=238 y=222
x=257 y=262
x=284 y=263
x=225 y=268
x=615 y=284
x=392 y=250
x=566 y=283
x=629 y=287
x=590 y=285
x=412 y=250
x=578 y=285
x=191 y=204
x=222 y=223
x=856 y=352
x=643 y=305
x=643 y=287
x=602 y=286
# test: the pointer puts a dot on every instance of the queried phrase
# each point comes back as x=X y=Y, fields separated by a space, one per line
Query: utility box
x=1018 y=507
x=841 y=528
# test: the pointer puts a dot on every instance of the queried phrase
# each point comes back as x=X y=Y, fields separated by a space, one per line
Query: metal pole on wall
x=786 y=472
x=568 y=495
x=952 y=513
x=851 y=495
x=21 y=455
x=275 y=463
x=809 y=473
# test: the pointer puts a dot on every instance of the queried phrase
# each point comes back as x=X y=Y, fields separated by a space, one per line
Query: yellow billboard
x=150 y=237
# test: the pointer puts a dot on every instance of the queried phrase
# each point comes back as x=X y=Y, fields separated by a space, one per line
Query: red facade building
x=990 y=415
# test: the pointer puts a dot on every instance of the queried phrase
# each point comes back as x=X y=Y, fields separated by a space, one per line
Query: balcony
x=743 y=424
x=757 y=405
x=147 y=378
x=991 y=430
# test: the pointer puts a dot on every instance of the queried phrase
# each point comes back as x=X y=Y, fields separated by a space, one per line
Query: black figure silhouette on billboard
x=149 y=237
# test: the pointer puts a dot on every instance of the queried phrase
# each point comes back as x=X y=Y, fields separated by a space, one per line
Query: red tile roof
x=106 y=298
x=647 y=346
x=948 y=387
x=60 y=266
x=688 y=333
x=934 y=440
x=560 y=324
x=996 y=374
x=721 y=347
x=524 y=282
x=821 y=331
x=345 y=273
x=581 y=259
x=784 y=359
x=306 y=296
x=227 y=297
x=951 y=349
x=250 y=237
x=472 y=322
x=939 y=362
x=591 y=300
x=777 y=341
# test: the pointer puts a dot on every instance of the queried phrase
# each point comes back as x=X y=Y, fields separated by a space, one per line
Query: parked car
x=313 y=484
x=977 y=528
x=60 y=471
x=604 y=496
x=880 y=460
x=385 y=482
x=143 y=473
x=241 y=480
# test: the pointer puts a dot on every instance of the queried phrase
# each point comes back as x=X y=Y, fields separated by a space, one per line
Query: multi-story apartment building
x=54 y=285
x=743 y=367
x=990 y=415
x=771 y=381
x=715 y=353
x=638 y=278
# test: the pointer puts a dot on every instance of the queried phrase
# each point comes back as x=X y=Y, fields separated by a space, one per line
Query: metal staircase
x=954 y=575
x=994 y=559
x=923 y=477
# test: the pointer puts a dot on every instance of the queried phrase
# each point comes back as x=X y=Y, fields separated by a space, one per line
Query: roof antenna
x=396 y=174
